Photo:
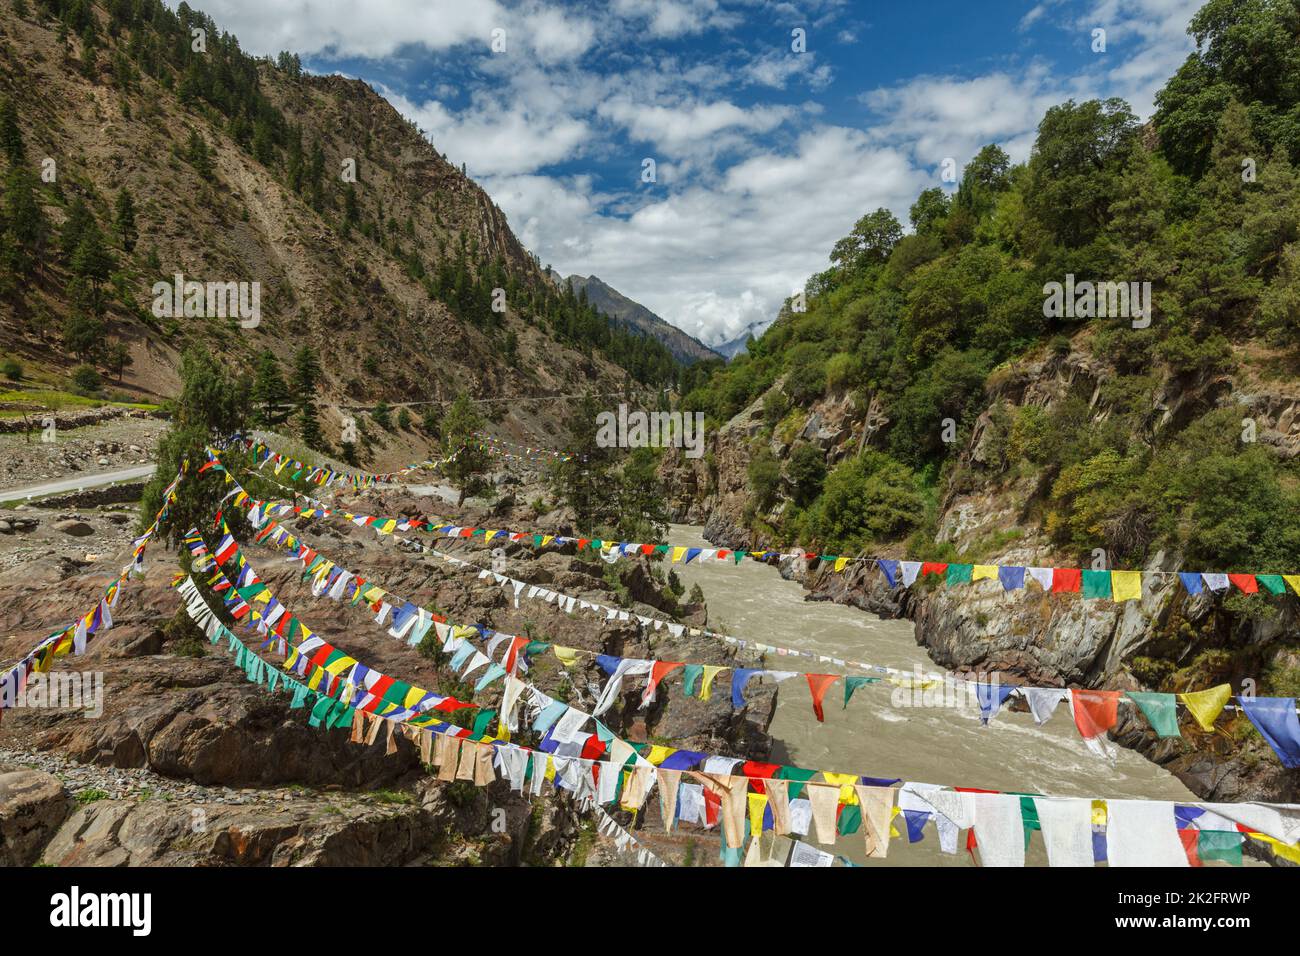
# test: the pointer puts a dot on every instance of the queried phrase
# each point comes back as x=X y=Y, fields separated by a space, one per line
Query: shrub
x=85 y=380
x=12 y=369
x=868 y=498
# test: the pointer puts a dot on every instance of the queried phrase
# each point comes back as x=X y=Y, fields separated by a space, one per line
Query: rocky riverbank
x=189 y=764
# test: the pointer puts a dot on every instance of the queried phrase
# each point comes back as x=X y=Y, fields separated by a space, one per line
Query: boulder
x=75 y=527
x=33 y=805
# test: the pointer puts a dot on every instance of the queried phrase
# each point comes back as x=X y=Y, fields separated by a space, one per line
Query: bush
x=12 y=369
x=807 y=471
x=764 y=478
x=868 y=498
x=85 y=380
x=842 y=370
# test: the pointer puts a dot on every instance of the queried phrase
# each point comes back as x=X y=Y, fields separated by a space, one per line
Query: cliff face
x=1167 y=641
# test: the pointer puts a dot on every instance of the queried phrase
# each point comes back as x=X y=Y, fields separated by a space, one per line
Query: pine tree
x=270 y=394
x=306 y=379
x=124 y=219
x=11 y=137
x=25 y=223
x=458 y=427
x=74 y=227
x=212 y=406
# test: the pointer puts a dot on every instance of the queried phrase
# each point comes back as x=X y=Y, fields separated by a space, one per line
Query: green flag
x=1160 y=710
x=1096 y=584
x=959 y=574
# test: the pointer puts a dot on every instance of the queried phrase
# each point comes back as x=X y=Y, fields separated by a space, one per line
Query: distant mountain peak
x=616 y=305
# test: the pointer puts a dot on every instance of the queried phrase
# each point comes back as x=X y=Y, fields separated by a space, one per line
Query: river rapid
x=880 y=736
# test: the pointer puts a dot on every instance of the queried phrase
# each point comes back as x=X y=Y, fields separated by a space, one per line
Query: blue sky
x=763 y=156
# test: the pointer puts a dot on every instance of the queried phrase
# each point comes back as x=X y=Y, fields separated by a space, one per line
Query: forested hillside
x=141 y=142
x=924 y=368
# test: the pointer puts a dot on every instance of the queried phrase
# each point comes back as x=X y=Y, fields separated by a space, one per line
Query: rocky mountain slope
x=367 y=244
x=609 y=300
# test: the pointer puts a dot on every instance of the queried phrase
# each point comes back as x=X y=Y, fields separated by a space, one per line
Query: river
x=925 y=744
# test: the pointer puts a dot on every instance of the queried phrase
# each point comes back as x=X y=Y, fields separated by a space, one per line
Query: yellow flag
x=840 y=562
x=848 y=795
x=567 y=656
x=659 y=753
x=1206 y=705
x=677 y=554
x=706 y=686
x=1126 y=585
x=1293 y=580
x=982 y=571
x=757 y=804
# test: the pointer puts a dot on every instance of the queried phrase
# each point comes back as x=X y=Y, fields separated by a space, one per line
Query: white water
x=873 y=737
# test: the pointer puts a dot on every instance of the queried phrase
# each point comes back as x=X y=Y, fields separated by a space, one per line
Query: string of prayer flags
x=1042 y=701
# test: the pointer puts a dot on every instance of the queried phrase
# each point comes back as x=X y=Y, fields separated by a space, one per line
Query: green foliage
x=806 y=469
x=466 y=473
x=306 y=380
x=211 y=407
x=867 y=498
x=85 y=380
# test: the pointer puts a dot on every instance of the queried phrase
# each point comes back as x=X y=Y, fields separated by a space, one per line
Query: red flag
x=934 y=567
x=1246 y=582
x=1095 y=711
x=658 y=671
x=1066 y=580
x=818 y=684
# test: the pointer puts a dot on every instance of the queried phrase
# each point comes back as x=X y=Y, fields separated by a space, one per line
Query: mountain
x=1088 y=360
x=734 y=347
x=363 y=241
x=613 y=303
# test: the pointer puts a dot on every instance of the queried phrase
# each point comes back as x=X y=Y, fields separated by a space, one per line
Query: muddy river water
x=878 y=737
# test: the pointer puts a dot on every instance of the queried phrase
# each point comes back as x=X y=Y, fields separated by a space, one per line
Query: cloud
x=381 y=28
x=753 y=189
x=494 y=138
x=712 y=260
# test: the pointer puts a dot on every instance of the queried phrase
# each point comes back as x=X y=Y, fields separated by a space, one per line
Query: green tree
x=11 y=137
x=1075 y=169
x=270 y=394
x=211 y=407
x=466 y=472
x=870 y=243
x=124 y=219
x=306 y=380
x=117 y=358
x=642 y=513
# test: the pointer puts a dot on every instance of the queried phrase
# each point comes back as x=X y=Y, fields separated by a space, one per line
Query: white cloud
x=494 y=138
x=712 y=260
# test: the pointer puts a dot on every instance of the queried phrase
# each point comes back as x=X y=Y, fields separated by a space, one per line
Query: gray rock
x=74 y=527
x=33 y=805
